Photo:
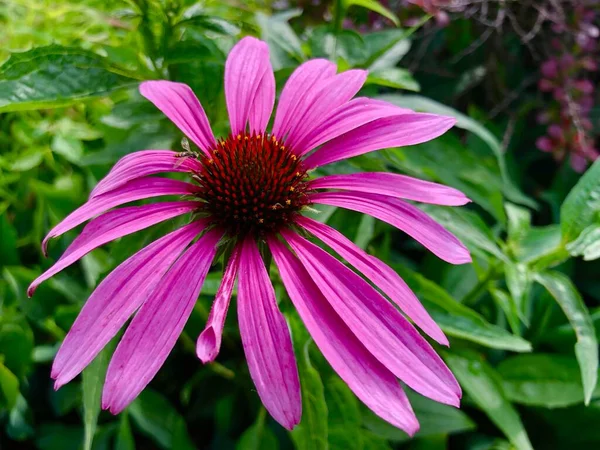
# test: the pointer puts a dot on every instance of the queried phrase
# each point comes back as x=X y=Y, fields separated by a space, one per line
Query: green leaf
x=157 y=418
x=393 y=77
x=458 y=320
x=344 y=418
x=540 y=246
x=70 y=148
x=258 y=436
x=9 y=388
x=582 y=206
x=284 y=44
x=124 y=439
x=386 y=48
x=52 y=76
x=466 y=123
x=587 y=243
x=519 y=221
x=482 y=383
x=374 y=6
x=92 y=383
x=434 y=419
x=586 y=348
x=509 y=307
x=311 y=433
x=538 y=379
x=518 y=281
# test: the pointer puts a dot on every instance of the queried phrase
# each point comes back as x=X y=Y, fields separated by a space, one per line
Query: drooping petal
x=327 y=96
x=262 y=105
x=393 y=185
x=404 y=216
x=372 y=383
x=110 y=226
x=395 y=131
x=244 y=71
x=209 y=341
x=344 y=118
x=266 y=339
x=379 y=273
x=179 y=103
x=299 y=87
x=129 y=192
x=144 y=163
x=156 y=327
x=377 y=324
x=115 y=300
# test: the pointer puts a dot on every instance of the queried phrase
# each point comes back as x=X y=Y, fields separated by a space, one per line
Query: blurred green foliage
x=522 y=319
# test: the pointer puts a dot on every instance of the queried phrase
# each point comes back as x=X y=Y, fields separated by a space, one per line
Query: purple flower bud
x=584 y=86
x=555 y=131
x=549 y=69
x=545 y=85
x=544 y=143
x=578 y=162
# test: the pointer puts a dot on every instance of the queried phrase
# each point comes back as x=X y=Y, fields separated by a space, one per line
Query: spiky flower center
x=252 y=183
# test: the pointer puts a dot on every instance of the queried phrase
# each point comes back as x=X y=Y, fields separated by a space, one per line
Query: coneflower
x=250 y=189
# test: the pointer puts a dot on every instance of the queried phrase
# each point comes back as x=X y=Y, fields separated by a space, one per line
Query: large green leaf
x=483 y=385
x=581 y=208
x=374 y=6
x=586 y=348
x=284 y=44
x=52 y=76
x=9 y=388
x=458 y=320
x=386 y=48
x=92 y=383
x=539 y=379
x=419 y=103
x=311 y=433
x=393 y=77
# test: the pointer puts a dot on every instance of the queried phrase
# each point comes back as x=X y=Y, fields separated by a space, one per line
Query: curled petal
x=266 y=339
x=209 y=341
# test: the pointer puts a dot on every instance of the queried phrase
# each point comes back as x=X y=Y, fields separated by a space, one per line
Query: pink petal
x=129 y=192
x=377 y=324
x=178 y=102
x=115 y=300
x=372 y=383
x=344 y=118
x=209 y=341
x=266 y=339
x=393 y=185
x=262 y=106
x=328 y=95
x=396 y=131
x=245 y=69
x=156 y=327
x=379 y=273
x=141 y=164
x=300 y=86
x=407 y=218
x=110 y=226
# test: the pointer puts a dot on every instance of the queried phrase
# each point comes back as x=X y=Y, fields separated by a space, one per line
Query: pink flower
x=248 y=189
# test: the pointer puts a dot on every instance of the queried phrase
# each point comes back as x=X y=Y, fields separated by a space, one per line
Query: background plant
x=522 y=319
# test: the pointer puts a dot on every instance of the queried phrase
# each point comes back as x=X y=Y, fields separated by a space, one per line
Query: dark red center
x=252 y=184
